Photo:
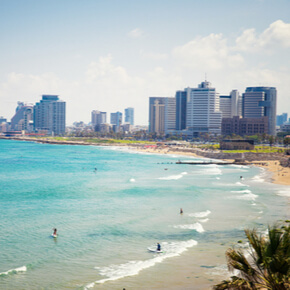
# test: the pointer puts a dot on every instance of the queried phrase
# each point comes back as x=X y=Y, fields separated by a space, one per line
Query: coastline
x=279 y=174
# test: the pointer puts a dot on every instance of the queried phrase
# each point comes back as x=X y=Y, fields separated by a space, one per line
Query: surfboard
x=154 y=250
x=53 y=236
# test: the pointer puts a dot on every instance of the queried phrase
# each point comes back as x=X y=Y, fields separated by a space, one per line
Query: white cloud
x=136 y=33
x=276 y=35
x=153 y=55
x=209 y=53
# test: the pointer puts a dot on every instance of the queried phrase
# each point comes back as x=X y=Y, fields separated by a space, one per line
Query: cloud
x=153 y=55
x=276 y=35
x=209 y=53
x=136 y=33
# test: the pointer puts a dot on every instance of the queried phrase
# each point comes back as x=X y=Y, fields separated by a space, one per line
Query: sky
x=108 y=55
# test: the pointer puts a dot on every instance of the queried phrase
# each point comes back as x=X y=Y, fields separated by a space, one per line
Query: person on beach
x=54 y=232
x=158 y=247
x=181 y=211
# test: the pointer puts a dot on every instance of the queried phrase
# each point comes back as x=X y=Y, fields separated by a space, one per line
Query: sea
x=110 y=204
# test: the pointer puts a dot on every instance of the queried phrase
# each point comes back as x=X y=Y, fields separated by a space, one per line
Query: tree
x=268 y=266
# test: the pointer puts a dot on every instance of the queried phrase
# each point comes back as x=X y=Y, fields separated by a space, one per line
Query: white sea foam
x=200 y=214
x=131 y=268
x=203 y=220
x=209 y=170
x=172 y=177
x=258 y=178
x=132 y=180
x=284 y=193
x=184 y=173
x=196 y=226
x=241 y=184
x=14 y=271
x=242 y=191
x=218 y=178
x=247 y=196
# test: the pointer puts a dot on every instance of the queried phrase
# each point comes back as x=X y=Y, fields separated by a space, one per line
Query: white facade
x=231 y=105
x=169 y=114
x=203 y=110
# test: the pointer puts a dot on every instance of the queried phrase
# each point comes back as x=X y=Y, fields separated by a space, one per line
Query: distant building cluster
x=47 y=117
x=202 y=110
x=99 y=121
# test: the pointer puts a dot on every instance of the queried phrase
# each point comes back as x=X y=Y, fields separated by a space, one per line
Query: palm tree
x=268 y=265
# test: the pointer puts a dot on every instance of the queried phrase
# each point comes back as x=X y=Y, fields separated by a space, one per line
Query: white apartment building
x=203 y=110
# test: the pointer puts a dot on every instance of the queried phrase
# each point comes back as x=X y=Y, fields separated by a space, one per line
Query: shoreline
x=279 y=174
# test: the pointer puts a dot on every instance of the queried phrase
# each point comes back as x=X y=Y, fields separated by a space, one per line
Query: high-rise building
x=203 y=110
x=156 y=114
x=129 y=116
x=181 y=101
x=116 y=119
x=162 y=114
x=281 y=119
x=259 y=102
x=230 y=105
x=169 y=114
x=49 y=115
x=23 y=118
x=98 y=118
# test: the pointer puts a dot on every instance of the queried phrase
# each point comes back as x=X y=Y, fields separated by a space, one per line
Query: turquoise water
x=107 y=218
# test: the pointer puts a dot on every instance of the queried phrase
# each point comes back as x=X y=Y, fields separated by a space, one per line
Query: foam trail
x=203 y=220
x=14 y=271
x=200 y=214
x=196 y=226
x=284 y=193
x=172 y=177
x=131 y=268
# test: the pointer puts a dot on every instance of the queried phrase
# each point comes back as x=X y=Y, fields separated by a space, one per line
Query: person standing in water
x=54 y=232
x=158 y=247
x=181 y=211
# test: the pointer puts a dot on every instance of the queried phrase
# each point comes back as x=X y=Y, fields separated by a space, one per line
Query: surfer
x=181 y=211
x=158 y=247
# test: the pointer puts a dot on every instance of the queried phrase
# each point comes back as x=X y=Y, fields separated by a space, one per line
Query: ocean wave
x=258 y=178
x=247 y=196
x=14 y=271
x=284 y=193
x=241 y=184
x=131 y=268
x=172 y=177
x=132 y=180
x=203 y=220
x=196 y=226
x=242 y=191
x=208 y=170
x=200 y=214
x=184 y=173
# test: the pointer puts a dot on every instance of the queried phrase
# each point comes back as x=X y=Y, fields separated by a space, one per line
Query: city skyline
x=116 y=54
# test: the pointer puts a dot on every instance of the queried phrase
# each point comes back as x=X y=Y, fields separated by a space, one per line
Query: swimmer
x=181 y=211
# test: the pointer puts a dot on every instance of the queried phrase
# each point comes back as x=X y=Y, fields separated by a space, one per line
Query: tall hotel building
x=116 y=119
x=162 y=114
x=129 y=116
x=261 y=102
x=203 y=110
x=49 y=115
x=98 y=118
x=181 y=100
